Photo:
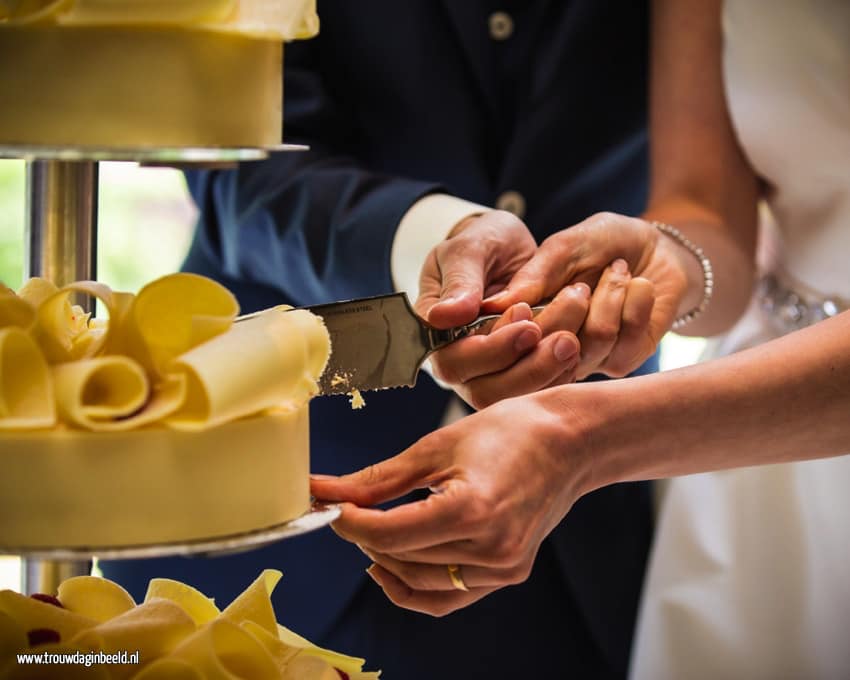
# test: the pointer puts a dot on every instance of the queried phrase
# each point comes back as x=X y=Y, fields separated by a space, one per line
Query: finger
x=567 y=311
x=602 y=325
x=484 y=254
x=415 y=468
x=635 y=342
x=430 y=286
x=570 y=255
x=477 y=552
x=637 y=308
x=462 y=264
x=553 y=356
x=436 y=519
x=456 y=306
x=423 y=576
x=541 y=277
x=479 y=355
x=518 y=312
x=434 y=603
x=579 y=253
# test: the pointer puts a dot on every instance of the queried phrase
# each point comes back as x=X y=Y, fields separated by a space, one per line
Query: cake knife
x=380 y=342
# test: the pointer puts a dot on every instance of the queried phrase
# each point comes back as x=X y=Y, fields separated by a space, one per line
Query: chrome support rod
x=60 y=243
x=61 y=221
x=44 y=576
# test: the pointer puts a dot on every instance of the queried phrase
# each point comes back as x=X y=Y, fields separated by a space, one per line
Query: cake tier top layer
x=270 y=19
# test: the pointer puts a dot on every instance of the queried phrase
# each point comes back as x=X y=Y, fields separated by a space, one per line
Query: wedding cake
x=170 y=421
x=146 y=73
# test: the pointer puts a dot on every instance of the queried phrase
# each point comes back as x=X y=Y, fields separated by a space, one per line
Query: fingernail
x=369 y=570
x=526 y=340
x=565 y=349
x=581 y=290
x=620 y=266
x=322 y=478
x=521 y=312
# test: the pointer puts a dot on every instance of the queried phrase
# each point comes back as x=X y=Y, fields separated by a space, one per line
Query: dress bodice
x=787 y=74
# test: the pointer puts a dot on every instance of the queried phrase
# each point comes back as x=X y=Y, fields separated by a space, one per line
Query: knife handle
x=481 y=326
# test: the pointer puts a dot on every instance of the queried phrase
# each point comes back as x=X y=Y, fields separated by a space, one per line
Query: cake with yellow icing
x=177 y=633
x=168 y=422
x=146 y=73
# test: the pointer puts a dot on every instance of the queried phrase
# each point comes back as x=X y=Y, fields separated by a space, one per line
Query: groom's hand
x=520 y=354
x=478 y=258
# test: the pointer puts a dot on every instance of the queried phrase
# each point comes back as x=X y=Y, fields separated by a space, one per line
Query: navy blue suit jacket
x=398 y=100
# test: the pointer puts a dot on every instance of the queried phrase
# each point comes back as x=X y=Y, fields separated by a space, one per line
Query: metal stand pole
x=61 y=221
x=44 y=576
x=61 y=245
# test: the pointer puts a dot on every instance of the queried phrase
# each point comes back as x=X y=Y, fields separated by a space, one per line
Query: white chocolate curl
x=272 y=360
x=170 y=354
x=179 y=632
x=26 y=392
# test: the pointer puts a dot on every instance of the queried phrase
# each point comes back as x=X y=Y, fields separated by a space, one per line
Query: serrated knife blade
x=378 y=342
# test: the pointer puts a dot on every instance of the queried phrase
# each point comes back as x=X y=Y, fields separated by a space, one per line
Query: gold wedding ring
x=456 y=578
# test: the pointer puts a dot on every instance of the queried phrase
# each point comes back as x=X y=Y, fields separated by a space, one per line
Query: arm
x=701 y=181
x=786 y=400
x=315 y=225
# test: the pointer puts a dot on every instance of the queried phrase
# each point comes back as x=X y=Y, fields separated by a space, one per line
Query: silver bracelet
x=707 y=272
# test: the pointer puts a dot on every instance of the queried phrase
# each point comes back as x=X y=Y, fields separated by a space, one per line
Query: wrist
x=567 y=428
x=607 y=430
x=696 y=271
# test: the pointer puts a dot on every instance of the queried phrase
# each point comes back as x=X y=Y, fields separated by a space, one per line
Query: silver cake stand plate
x=318 y=517
x=151 y=156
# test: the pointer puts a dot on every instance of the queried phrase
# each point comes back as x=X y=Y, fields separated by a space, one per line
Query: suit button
x=501 y=25
x=513 y=202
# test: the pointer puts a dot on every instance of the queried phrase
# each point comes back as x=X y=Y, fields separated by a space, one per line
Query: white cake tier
x=131 y=87
x=71 y=488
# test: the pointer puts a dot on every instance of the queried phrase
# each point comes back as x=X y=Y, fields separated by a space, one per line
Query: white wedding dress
x=750 y=573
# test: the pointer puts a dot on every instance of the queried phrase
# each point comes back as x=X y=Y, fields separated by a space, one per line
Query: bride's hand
x=486 y=369
x=502 y=479
x=650 y=299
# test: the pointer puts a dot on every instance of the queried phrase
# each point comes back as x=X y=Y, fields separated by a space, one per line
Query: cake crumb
x=357 y=400
x=339 y=379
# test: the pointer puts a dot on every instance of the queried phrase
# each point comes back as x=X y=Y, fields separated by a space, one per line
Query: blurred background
x=145 y=219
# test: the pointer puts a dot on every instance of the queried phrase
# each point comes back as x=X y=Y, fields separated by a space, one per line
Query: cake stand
x=61 y=245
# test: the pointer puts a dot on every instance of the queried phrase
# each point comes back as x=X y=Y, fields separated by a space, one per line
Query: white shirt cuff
x=424 y=225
